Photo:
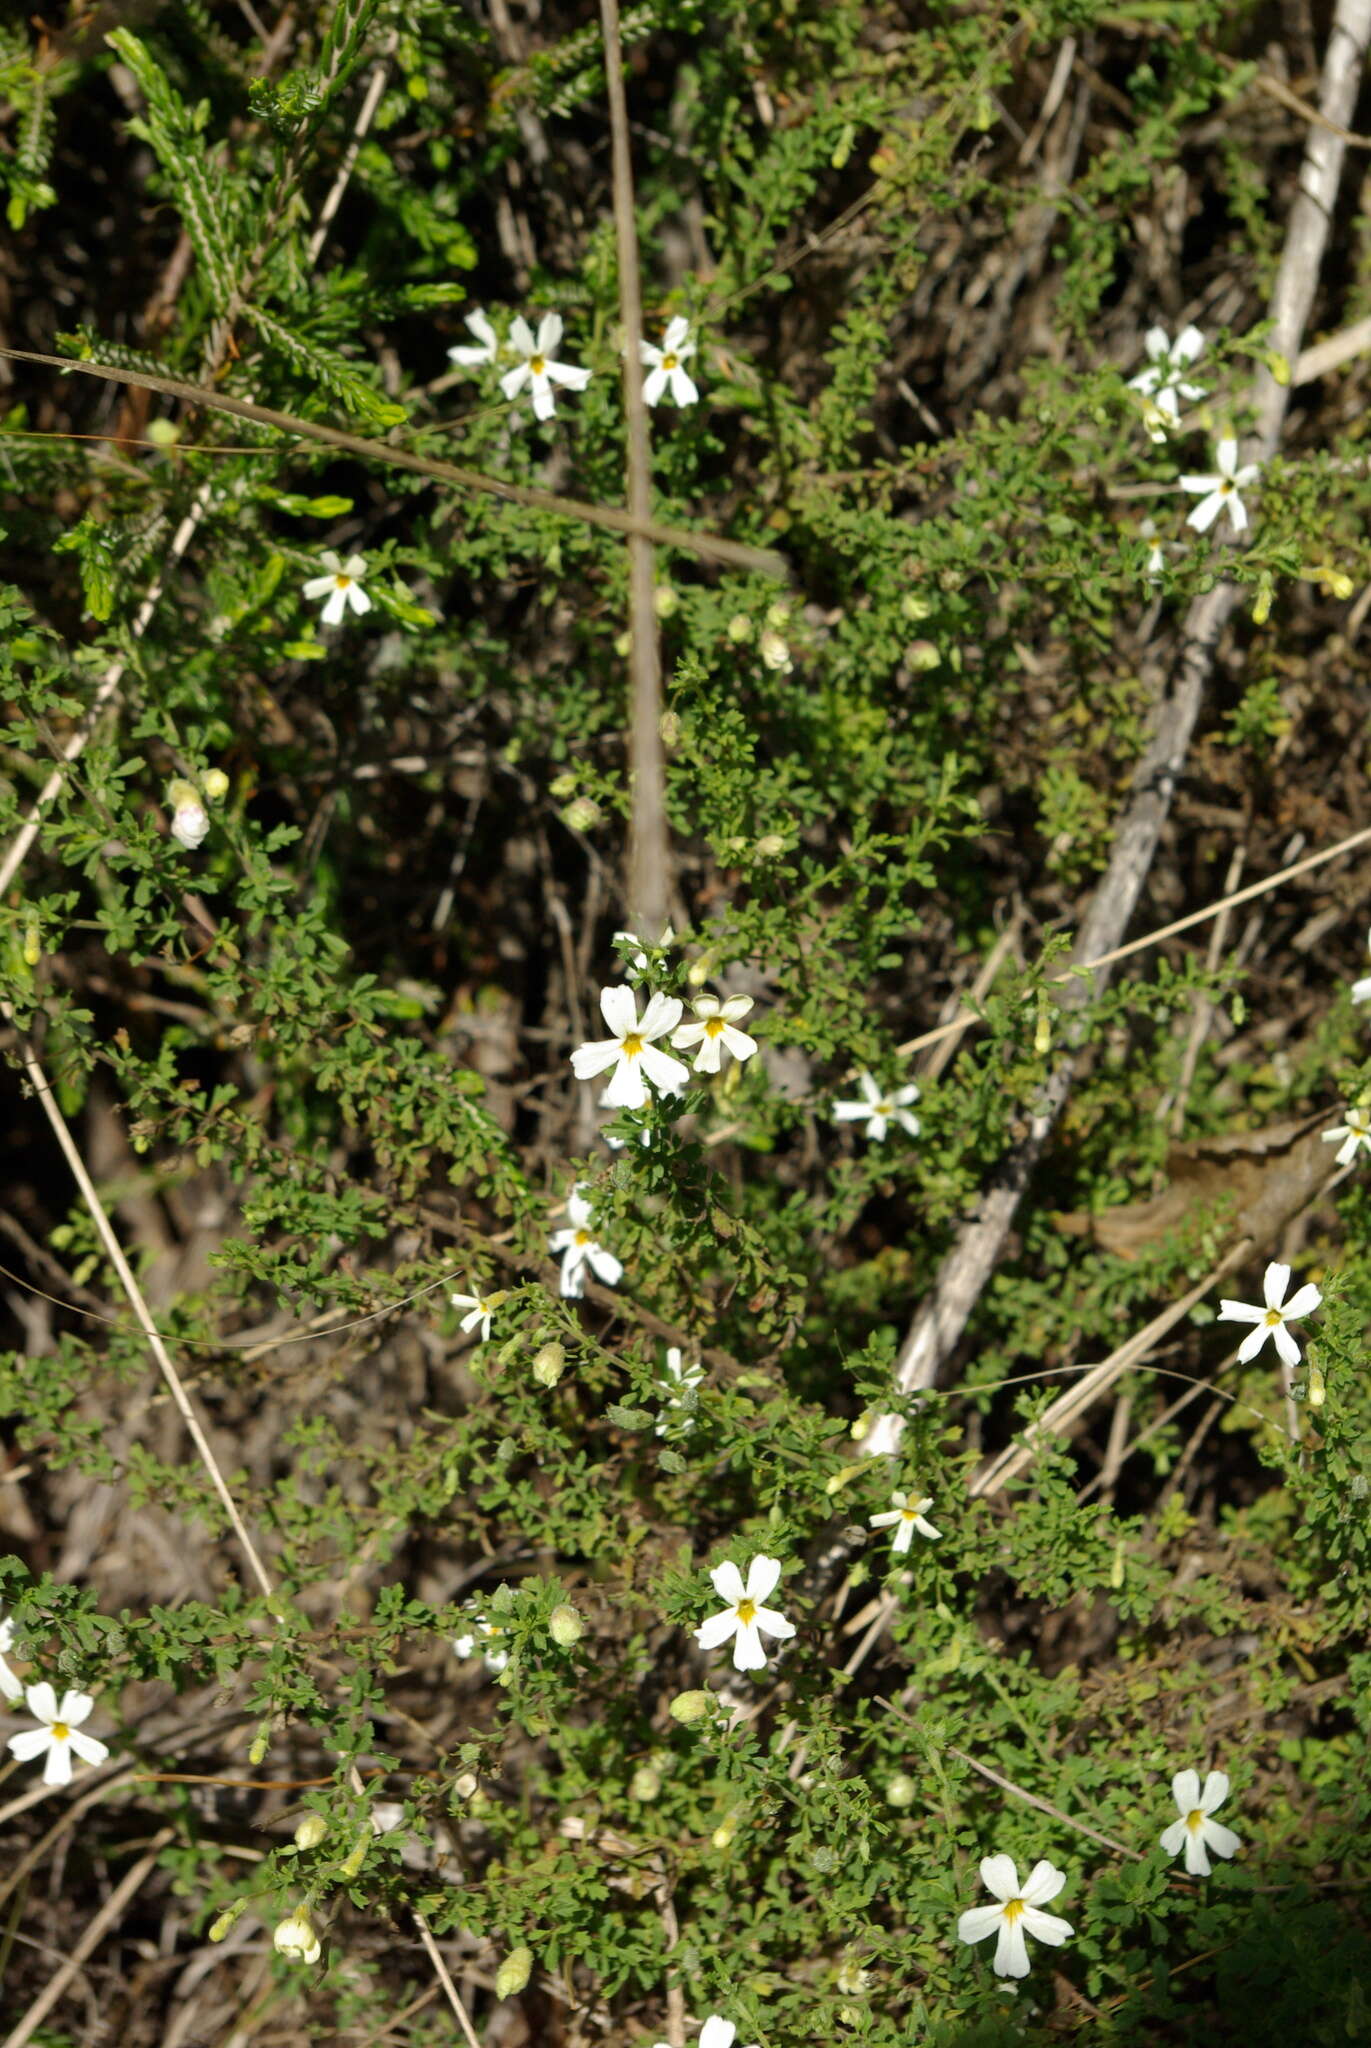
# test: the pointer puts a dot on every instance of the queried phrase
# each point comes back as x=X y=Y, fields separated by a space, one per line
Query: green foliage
x=320 y=1063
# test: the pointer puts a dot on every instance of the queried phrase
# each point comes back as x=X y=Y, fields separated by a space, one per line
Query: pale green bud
x=514 y=1973
x=725 y=1832
x=310 y=1831
x=915 y=608
x=665 y=601
x=739 y=628
x=215 y=784
x=622 y=645
x=549 y=1364
x=565 y=1626
x=224 y=1925
x=922 y=654
x=769 y=846
x=901 y=1790
x=646 y=1784
x=582 y=815
x=351 y=1864
x=690 y=1706
x=669 y=725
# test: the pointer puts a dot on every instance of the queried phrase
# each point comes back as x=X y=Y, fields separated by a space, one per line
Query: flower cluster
x=1018 y=1908
x=58 y=1736
x=1163 y=386
x=533 y=365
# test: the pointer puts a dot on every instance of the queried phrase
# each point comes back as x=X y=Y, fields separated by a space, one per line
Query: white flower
x=905 y=1517
x=745 y=1613
x=189 y=818
x=1163 y=383
x=1271 y=1320
x=340 y=587
x=480 y=1307
x=631 y=1051
x=59 y=1734
x=1355 y=1133
x=469 y=357
x=715 y=2033
x=1361 y=990
x=1156 y=553
x=678 y=1388
x=664 y=366
x=714 y=1032
x=1195 y=1831
x=481 y=1634
x=537 y=368
x=1221 y=491
x=1017 y=1913
x=296 y=1939
x=11 y=1686
x=879 y=1109
x=578 y=1250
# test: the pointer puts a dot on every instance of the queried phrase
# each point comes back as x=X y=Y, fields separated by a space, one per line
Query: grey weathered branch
x=939 y=1323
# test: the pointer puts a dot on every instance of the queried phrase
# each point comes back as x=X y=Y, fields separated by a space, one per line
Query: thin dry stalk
x=939 y=1323
x=649 y=852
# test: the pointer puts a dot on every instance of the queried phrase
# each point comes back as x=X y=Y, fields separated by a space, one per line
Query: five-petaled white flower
x=879 y=1108
x=1017 y=1913
x=478 y=1641
x=1271 y=1320
x=678 y=1388
x=664 y=371
x=578 y=1249
x=12 y=1687
x=1355 y=1133
x=340 y=587
x=1221 y=493
x=469 y=357
x=59 y=1735
x=715 y=2033
x=1361 y=990
x=715 y=1031
x=905 y=1517
x=537 y=369
x=745 y=1613
x=1195 y=1831
x=1163 y=382
x=480 y=1308
x=296 y=1939
x=632 y=1051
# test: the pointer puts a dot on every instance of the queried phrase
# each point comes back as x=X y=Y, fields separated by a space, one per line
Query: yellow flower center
x=1194 y=1819
x=747 y=1611
x=1225 y=487
x=583 y=1237
x=714 y=1027
x=631 y=1046
x=60 y=1732
x=1272 y=1317
x=537 y=364
x=910 y=1514
x=669 y=362
x=341 y=582
x=1013 y=1910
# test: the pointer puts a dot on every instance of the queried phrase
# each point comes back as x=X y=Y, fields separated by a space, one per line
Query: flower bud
x=221 y=1928
x=514 y=1973
x=261 y=1743
x=622 y=644
x=669 y=726
x=581 y=815
x=739 y=628
x=190 y=820
x=915 y=608
x=33 y=943
x=215 y=784
x=351 y=1865
x=565 y=1626
x=1317 y=1391
x=646 y=1784
x=901 y=1790
x=777 y=616
x=562 y=785
x=775 y=653
x=296 y=1939
x=549 y=1364
x=922 y=655
x=467 y=1785
x=690 y=1706
x=725 y=1832
x=665 y=601
x=769 y=846
x=310 y=1832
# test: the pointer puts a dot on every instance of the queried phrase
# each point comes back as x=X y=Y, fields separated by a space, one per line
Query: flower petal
x=604 y=1265
x=1185 y=1790
x=1251 y=1345
x=654 y=384
x=1274 y=1283
x=1000 y=1875
x=1303 y=1303
x=521 y=336
x=979 y=1921
x=513 y=381
x=1240 y=1312
x=550 y=333
x=29 y=1743
x=748 y=1654
x=92 y=1752
x=1220 y=1839
x=41 y=1701
x=57 y=1769
x=763 y=1577
x=1173 y=1838
x=710 y=1634
x=1043 y=1882
x=592 y=1058
x=774 y=1623
x=1049 y=1927
x=666 y=1074
x=663 y=1014
x=727 y=1581
x=1287 y=1348
x=1011 y=1950
x=684 y=389
x=739 y=1043
x=627 y=1089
